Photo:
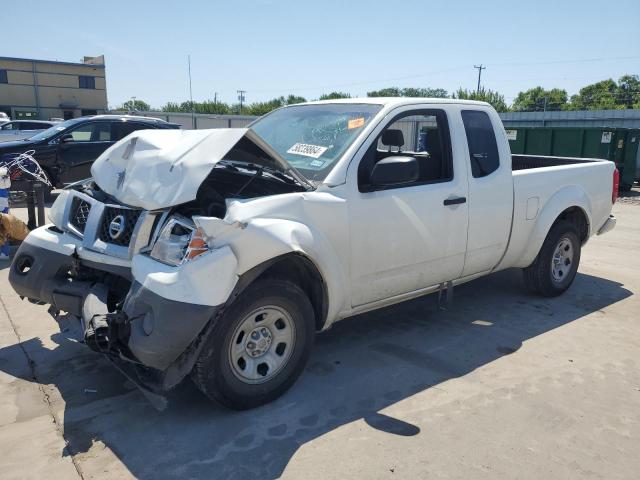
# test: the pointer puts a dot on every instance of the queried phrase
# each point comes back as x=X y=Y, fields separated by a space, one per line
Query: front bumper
x=141 y=325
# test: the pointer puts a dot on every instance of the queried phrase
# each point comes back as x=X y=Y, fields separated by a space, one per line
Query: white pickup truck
x=220 y=253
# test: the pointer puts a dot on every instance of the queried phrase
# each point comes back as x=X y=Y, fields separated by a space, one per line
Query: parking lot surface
x=502 y=384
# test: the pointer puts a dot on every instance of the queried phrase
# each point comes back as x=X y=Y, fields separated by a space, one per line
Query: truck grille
x=117 y=225
x=79 y=213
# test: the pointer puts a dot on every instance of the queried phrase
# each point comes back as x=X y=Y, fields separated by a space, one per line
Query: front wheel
x=555 y=267
x=259 y=346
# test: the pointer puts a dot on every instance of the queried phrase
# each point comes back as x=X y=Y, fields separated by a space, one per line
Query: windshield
x=57 y=128
x=311 y=138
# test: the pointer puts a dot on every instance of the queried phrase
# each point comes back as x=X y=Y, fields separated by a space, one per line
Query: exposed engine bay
x=245 y=172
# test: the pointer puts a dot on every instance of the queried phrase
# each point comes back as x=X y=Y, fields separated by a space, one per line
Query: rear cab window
x=481 y=140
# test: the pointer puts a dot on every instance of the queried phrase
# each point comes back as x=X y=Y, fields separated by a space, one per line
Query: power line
x=446 y=70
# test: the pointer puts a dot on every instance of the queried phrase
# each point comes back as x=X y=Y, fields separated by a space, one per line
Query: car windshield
x=311 y=138
x=50 y=132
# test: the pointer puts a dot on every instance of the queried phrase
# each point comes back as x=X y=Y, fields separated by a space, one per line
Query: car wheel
x=555 y=267
x=259 y=346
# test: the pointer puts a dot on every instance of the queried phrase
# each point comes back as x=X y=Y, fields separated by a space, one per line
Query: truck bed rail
x=524 y=162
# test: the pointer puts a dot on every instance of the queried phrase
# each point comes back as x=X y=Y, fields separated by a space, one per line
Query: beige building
x=45 y=89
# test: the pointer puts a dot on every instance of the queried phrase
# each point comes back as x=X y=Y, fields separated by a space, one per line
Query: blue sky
x=271 y=48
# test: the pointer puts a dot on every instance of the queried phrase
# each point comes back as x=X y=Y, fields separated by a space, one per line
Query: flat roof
x=75 y=64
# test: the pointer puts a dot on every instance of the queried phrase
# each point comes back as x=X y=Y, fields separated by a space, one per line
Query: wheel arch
x=298 y=268
x=571 y=204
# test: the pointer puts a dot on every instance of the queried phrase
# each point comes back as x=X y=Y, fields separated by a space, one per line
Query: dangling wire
x=25 y=163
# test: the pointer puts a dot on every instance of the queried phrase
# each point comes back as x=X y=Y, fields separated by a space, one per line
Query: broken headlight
x=178 y=242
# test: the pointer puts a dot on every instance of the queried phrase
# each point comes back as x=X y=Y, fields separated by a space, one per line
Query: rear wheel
x=259 y=346
x=555 y=267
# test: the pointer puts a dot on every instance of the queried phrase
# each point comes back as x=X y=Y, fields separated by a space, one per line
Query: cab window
x=481 y=139
x=420 y=134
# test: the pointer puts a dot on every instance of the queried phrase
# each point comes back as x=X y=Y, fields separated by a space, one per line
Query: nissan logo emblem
x=116 y=227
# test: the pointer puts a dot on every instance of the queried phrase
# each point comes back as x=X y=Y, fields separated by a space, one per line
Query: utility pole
x=193 y=113
x=480 y=68
x=133 y=104
x=241 y=98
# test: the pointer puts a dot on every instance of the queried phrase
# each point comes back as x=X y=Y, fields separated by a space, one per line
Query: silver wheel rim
x=262 y=344
x=562 y=260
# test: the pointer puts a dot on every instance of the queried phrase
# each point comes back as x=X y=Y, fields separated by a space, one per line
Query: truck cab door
x=404 y=238
x=490 y=189
x=78 y=148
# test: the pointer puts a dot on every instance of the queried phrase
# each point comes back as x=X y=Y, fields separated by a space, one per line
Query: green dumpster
x=620 y=145
x=628 y=161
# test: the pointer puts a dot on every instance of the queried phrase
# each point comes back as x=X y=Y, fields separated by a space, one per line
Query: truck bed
x=525 y=162
x=539 y=181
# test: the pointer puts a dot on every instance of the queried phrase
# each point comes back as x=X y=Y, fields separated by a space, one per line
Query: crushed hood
x=155 y=169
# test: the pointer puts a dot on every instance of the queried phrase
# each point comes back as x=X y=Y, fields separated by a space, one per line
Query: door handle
x=455 y=201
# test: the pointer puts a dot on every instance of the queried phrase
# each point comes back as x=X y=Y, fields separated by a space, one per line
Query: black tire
x=213 y=372
x=538 y=277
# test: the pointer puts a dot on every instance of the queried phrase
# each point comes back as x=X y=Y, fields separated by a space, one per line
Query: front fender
x=567 y=197
x=262 y=239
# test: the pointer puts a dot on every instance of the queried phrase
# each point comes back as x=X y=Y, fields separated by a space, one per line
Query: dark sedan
x=67 y=150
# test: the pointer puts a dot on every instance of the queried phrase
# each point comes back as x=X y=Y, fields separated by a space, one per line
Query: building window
x=88 y=111
x=3 y=76
x=87 y=82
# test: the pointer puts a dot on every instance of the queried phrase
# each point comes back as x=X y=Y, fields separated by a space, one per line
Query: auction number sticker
x=355 y=123
x=307 y=150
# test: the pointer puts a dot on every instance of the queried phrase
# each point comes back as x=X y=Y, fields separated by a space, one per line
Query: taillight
x=616 y=185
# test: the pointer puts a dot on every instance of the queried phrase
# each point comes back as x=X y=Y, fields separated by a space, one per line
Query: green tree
x=533 y=100
x=262 y=108
x=334 y=96
x=597 y=96
x=628 y=94
x=425 y=92
x=386 y=92
x=495 y=99
x=209 y=106
x=171 y=107
x=409 y=92
x=135 y=105
x=293 y=99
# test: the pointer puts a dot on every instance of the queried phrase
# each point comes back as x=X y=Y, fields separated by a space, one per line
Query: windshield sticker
x=306 y=150
x=355 y=123
x=317 y=163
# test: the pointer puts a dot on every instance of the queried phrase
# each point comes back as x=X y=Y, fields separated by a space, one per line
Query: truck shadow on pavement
x=358 y=368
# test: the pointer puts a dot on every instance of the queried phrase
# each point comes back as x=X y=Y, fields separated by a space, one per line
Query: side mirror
x=394 y=170
x=66 y=138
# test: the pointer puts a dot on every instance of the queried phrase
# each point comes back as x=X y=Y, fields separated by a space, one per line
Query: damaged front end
x=136 y=255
